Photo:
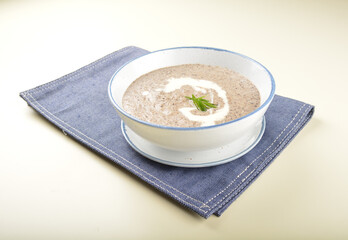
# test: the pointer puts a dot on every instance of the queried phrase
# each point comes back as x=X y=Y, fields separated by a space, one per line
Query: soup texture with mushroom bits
x=190 y=95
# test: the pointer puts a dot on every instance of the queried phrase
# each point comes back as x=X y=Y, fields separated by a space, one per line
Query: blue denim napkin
x=78 y=104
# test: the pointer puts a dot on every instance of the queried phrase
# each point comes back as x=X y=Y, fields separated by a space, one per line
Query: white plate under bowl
x=206 y=158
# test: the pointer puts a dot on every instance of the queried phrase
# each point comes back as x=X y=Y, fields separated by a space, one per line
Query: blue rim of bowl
x=269 y=99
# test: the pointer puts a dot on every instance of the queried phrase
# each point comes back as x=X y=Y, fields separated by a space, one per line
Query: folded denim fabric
x=78 y=104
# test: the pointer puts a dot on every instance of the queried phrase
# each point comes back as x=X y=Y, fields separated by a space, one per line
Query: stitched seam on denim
x=79 y=72
x=278 y=150
x=38 y=104
x=115 y=158
x=240 y=174
x=198 y=208
x=274 y=150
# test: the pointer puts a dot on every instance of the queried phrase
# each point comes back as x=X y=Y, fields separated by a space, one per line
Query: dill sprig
x=201 y=103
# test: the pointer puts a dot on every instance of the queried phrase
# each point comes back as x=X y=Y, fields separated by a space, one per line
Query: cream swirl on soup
x=159 y=96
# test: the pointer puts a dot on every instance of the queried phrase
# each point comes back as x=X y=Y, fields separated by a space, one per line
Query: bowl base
x=192 y=159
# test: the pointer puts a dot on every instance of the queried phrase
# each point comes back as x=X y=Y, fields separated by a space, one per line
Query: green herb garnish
x=201 y=103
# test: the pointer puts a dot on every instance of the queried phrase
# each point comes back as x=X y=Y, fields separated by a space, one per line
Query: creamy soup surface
x=159 y=96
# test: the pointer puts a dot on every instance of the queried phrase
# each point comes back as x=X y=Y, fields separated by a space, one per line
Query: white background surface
x=53 y=188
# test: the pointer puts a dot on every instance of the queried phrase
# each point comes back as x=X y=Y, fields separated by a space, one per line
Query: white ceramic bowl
x=239 y=134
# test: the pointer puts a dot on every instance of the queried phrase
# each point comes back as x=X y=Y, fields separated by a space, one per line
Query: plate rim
x=198 y=165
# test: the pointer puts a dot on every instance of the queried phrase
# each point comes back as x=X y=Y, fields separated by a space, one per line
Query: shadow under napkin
x=78 y=104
